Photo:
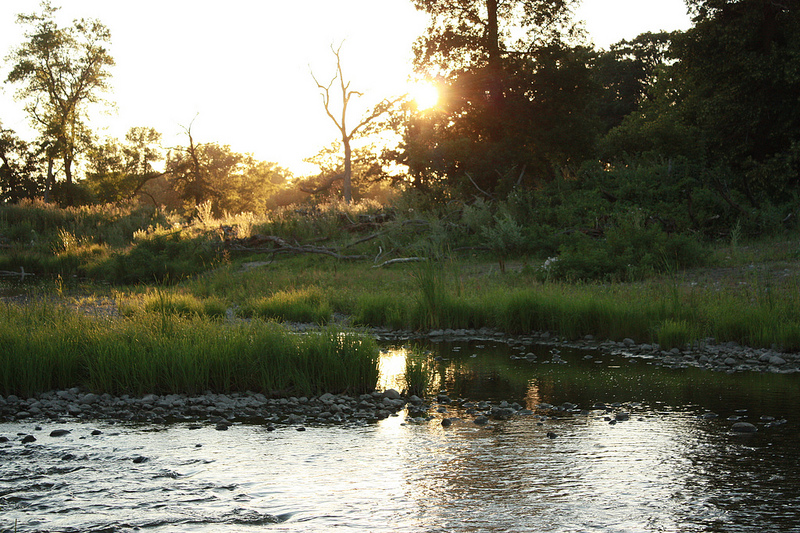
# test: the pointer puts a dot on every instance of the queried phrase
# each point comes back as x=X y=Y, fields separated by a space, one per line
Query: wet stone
x=744 y=427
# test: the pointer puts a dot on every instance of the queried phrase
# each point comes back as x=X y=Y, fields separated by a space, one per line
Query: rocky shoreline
x=222 y=410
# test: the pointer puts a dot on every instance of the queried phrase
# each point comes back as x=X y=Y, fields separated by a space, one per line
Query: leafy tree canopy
x=60 y=71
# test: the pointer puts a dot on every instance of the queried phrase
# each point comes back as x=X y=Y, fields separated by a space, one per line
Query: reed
x=418 y=375
x=44 y=347
x=308 y=304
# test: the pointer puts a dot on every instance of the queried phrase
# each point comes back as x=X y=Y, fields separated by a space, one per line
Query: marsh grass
x=418 y=375
x=459 y=294
x=307 y=304
x=45 y=347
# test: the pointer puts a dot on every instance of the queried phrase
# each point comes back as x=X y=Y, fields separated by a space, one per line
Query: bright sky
x=241 y=67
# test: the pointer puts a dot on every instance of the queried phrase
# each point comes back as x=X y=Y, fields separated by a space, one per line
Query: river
x=674 y=466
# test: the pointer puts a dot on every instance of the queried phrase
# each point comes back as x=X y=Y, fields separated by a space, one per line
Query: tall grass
x=418 y=375
x=296 y=305
x=434 y=295
x=44 y=347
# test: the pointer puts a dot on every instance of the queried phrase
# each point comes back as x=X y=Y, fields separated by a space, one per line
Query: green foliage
x=44 y=348
x=162 y=255
x=61 y=70
x=418 y=375
x=504 y=238
x=675 y=334
x=307 y=305
x=512 y=110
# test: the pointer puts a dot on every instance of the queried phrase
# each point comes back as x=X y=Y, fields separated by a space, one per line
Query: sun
x=424 y=94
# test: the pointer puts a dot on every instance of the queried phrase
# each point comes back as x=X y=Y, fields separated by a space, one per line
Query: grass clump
x=418 y=376
x=44 y=347
x=295 y=305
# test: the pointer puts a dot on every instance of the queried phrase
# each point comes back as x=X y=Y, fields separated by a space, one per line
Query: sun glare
x=426 y=95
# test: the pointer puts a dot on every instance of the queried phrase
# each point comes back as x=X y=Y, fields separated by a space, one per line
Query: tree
x=365 y=167
x=516 y=102
x=347 y=134
x=233 y=182
x=627 y=72
x=20 y=168
x=61 y=71
x=739 y=86
x=118 y=171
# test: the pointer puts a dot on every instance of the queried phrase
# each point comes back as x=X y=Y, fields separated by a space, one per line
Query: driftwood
x=401 y=260
x=273 y=244
x=21 y=273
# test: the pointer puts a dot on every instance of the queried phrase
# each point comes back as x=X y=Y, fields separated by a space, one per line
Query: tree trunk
x=68 y=169
x=48 y=186
x=494 y=73
x=348 y=169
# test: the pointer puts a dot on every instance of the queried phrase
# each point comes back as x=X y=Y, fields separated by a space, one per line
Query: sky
x=239 y=71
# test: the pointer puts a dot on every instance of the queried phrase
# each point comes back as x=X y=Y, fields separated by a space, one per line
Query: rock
x=622 y=416
x=628 y=342
x=96 y=432
x=59 y=432
x=391 y=394
x=481 y=420
x=327 y=397
x=730 y=361
x=446 y=422
x=28 y=438
x=139 y=459
x=744 y=427
x=777 y=360
x=89 y=399
x=551 y=435
x=295 y=419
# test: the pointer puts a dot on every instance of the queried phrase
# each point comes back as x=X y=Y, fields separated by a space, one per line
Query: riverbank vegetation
x=47 y=347
x=648 y=191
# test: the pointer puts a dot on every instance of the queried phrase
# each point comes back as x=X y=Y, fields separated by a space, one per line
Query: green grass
x=470 y=294
x=45 y=347
x=418 y=375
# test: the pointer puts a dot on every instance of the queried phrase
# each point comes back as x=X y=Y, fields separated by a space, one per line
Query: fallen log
x=21 y=273
x=401 y=260
x=260 y=244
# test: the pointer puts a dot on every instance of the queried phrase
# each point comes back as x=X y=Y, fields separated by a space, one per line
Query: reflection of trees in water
x=493 y=374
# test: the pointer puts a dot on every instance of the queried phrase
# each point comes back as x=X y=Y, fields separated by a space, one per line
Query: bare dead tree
x=341 y=121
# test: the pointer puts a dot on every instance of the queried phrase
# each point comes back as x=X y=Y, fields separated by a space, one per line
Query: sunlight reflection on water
x=663 y=470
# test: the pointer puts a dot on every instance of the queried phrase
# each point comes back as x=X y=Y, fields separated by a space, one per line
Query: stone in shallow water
x=59 y=432
x=744 y=427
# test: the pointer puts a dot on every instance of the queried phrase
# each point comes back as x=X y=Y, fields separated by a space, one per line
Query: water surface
x=669 y=468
